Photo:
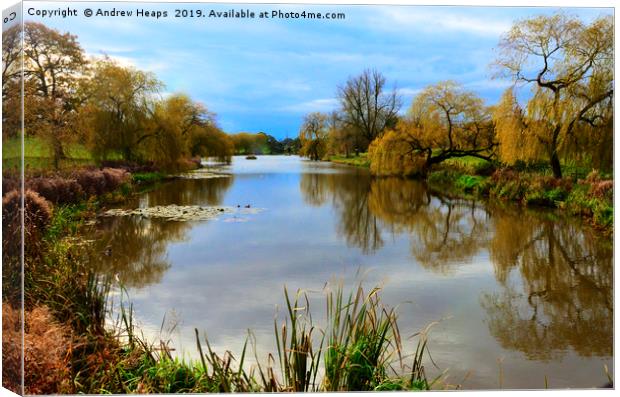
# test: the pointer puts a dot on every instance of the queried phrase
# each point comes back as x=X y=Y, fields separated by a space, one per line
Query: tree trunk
x=555 y=165
x=59 y=153
x=127 y=153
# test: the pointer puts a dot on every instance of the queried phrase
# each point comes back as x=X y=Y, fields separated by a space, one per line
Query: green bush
x=547 y=198
x=469 y=183
x=147 y=177
x=583 y=200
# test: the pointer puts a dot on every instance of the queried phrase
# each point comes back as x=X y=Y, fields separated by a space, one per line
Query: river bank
x=587 y=195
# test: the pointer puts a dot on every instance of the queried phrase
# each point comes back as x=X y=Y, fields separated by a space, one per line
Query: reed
x=359 y=349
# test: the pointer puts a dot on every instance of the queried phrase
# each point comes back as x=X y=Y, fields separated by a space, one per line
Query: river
x=519 y=295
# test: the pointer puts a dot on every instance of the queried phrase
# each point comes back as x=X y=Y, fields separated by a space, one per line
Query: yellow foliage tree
x=515 y=142
x=445 y=121
x=119 y=102
x=313 y=136
x=391 y=155
x=570 y=66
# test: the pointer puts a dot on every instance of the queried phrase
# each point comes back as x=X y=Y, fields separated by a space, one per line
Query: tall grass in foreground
x=359 y=349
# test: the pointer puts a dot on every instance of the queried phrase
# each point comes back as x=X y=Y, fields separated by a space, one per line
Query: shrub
x=443 y=177
x=547 y=198
x=45 y=348
x=114 y=178
x=581 y=202
x=469 y=183
x=130 y=166
x=508 y=185
x=10 y=181
x=93 y=182
x=485 y=168
x=96 y=182
x=37 y=215
x=186 y=165
x=601 y=189
x=593 y=177
x=57 y=189
x=60 y=189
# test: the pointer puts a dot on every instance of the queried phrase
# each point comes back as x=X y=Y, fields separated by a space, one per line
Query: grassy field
x=38 y=154
x=358 y=161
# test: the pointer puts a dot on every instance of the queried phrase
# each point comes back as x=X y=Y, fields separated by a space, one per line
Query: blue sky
x=265 y=74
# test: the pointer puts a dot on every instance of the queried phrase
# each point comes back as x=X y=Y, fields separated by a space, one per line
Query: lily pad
x=202 y=174
x=181 y=213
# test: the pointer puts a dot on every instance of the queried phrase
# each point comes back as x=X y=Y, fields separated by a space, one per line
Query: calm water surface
x=528 y=293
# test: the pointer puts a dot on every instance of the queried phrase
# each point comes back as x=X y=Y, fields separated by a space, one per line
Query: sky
x=266 y=74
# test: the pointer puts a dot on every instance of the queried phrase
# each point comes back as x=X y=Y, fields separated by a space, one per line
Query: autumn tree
x=249 y=143
x=53 y=65
x=11 y=53
x=211 y=142
x=167 y=128
x=368 y=107
x=569 y=66
x=120 y=100
x=445 y=121
x=313 y=136
x=342 y=137
x=11 y=81
x=206 y=139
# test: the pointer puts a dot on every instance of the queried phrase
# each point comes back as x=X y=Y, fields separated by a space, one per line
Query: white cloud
x=315 y=105
x=138 y=63
x=438 y=21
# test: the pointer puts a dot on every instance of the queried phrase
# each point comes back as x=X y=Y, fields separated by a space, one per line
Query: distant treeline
x=262 y=143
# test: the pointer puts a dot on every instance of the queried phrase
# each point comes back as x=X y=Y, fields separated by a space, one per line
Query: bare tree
x=367 y=106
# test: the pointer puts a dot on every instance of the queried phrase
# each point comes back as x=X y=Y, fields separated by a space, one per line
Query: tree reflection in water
x=555 y=274
x=133 y=248
x=349 y=194
x=562 y=295
x=444 y=232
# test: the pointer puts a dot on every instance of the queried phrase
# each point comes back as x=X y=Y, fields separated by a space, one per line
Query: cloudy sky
x=265 y=74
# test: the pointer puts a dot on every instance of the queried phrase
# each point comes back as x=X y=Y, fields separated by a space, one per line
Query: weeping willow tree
x=119 y=102
x=313 y=136
x=445 y=121
x=515 y=143
x=125 y=115
x=569 y=66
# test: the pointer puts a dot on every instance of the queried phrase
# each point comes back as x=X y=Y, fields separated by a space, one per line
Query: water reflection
x=189 y=192
x=134 y=249
x=511 y=280
x=444 y=232
x=562 y=295
x=349 y=195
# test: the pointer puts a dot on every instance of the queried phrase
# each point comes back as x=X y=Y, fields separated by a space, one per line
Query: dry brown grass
x=45 y=351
